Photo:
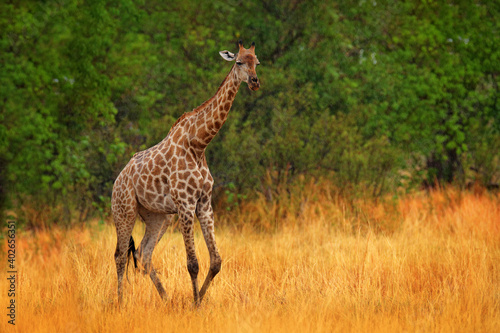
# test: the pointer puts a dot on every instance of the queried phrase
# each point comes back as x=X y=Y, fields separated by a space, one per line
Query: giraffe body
x=173 y=177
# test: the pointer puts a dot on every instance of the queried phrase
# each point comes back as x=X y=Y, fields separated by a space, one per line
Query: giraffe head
x=246 y=61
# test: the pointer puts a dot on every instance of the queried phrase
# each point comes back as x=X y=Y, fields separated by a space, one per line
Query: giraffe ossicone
x=172 y=177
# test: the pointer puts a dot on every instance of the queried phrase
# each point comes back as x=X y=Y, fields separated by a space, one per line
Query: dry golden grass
x=314 y=262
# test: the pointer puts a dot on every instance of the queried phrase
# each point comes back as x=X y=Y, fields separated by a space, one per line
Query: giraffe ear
x=227 y=55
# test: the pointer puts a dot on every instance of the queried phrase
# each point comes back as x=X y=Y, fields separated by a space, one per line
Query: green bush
x=373 y=95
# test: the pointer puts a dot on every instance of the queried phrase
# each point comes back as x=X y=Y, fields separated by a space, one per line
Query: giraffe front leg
x=206 y=218
x=186 y=222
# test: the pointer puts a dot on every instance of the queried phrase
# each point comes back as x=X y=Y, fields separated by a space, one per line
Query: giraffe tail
x=131 y=251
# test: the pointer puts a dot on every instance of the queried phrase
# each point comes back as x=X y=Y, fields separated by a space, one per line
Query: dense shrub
x=372 y=95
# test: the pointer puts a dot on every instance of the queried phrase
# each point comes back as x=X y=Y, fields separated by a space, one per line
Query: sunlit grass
x=314 y=262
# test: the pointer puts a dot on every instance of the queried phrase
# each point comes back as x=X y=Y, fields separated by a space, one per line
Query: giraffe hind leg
x=156 y=225
x=124 y=226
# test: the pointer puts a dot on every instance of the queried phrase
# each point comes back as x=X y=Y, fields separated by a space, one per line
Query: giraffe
x=172 y=177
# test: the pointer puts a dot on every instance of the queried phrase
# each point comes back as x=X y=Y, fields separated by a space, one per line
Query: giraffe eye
x=239 y=63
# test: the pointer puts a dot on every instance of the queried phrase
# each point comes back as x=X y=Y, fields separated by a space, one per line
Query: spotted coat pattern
x=172 y=177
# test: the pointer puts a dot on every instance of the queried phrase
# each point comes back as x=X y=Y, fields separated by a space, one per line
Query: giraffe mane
x=203 y=105
x=184 y=115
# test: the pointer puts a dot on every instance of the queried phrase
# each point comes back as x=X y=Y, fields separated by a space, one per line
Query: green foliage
x=232 y=197
x=373 y=95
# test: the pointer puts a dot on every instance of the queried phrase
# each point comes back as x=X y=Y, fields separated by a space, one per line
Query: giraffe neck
x=213 y=113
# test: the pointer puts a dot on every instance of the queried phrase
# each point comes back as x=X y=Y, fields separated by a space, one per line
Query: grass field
x=313 y=262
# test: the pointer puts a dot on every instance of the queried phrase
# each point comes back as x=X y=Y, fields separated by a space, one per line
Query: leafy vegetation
x=372 y=95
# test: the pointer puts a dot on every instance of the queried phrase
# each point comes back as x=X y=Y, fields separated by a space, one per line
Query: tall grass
x=313 y=261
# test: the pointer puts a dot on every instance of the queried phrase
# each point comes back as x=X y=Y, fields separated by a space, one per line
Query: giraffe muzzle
x=253 y=83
